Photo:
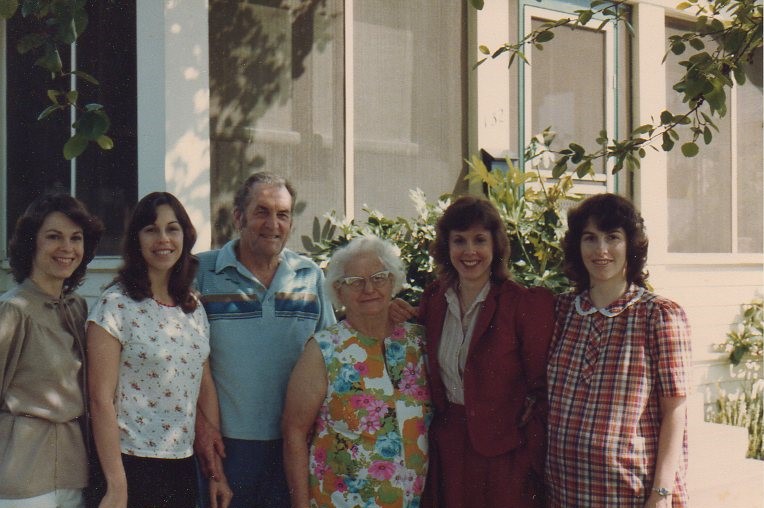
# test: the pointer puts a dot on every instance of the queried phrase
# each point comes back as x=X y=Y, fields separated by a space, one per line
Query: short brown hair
x=23 y=245
x=462 y=214
x=244 y=192
x=608 y=212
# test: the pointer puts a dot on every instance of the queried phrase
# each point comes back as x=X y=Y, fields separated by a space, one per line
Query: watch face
x=662 y=491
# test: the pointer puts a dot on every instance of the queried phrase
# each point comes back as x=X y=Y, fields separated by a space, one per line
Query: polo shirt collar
x=227 y=258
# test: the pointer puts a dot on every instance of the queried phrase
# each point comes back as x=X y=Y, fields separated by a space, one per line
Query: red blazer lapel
x=485 y=317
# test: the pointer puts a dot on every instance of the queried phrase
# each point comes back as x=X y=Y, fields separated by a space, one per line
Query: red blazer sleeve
x=535 y=320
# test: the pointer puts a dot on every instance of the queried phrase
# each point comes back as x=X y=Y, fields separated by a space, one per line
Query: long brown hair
x=462 y=214
x=133 y=275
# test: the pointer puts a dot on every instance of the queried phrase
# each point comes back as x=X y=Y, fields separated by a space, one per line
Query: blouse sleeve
x=671 y=349
x=13 y=328
x=110 y=313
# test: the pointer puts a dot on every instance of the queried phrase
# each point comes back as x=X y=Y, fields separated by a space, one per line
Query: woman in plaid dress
x=619 y=371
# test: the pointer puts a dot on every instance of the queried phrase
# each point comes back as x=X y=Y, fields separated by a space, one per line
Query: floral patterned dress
x=369 y=447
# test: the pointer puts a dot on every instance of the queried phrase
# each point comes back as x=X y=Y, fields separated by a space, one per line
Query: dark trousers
x=255 y=472
x=152 y=483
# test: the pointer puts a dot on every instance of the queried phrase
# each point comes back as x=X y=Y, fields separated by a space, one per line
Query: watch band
x=662 y=491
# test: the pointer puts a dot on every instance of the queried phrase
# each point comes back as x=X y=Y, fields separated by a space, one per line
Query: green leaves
x=689 y=149
x=91 y=125
x=8 y=8
x=60 y=23
x=75 y=146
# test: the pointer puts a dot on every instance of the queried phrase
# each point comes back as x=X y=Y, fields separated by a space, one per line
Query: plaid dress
x=607 y=369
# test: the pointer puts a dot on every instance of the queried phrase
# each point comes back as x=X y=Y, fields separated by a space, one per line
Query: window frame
x=84 y=47
x=734 y=256
x=591 y=184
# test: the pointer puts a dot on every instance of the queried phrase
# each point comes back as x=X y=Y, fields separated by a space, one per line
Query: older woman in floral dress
x=357 y=406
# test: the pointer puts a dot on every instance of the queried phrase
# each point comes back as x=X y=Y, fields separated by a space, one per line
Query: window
x=577 y=97
x=105 y=181
x=344 y=104
x=720 y=189
x=408 y=93
x=276 y=104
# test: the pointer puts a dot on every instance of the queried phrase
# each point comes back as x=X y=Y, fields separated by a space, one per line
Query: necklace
x=163 y=304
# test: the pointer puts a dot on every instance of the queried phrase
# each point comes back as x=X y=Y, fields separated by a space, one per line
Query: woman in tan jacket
x=43 y=460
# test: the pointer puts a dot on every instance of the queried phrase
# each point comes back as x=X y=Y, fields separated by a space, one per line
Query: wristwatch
x=662 y=491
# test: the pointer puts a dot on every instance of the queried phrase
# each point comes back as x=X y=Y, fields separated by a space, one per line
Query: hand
x=528 y=405
x=209 y=447
x=114 y=498
x=220 y=492
x=657 y=501
x=401 y=311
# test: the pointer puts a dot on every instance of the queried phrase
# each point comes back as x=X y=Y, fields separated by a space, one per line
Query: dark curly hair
x=133 y=275
x=462 y=214
x=608 y=212
x=23 y=245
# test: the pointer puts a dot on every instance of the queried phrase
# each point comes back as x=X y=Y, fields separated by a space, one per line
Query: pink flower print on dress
x=362 y=401
x=398 y=333
x=377 y=407
x=381 y=470
x=319 y=459
x=370 y=424
x=361 y=368
x=408 y=386
x=341 y=486
x=411 y=370
x=419 y=485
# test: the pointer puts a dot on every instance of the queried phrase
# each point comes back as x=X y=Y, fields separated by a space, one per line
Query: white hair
x=389 y=255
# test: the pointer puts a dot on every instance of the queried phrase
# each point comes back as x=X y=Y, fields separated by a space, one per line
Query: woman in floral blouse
x=357 y=407
x=619 y=371
x=148 y=343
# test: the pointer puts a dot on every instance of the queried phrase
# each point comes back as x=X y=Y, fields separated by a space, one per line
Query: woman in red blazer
x=487 y=341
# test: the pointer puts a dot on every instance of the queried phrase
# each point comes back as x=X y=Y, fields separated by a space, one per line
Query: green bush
x=530 y=209
x=745 y=408
x=746 y=338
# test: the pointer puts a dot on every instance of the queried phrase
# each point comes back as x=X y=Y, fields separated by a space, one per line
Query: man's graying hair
x=243 y=194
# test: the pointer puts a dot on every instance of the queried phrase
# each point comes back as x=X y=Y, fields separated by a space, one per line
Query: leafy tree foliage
x=58 y=23
x=531 y=210
x=724 y=40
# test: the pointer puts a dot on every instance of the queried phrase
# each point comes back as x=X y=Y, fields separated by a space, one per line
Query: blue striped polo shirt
x=257 y=334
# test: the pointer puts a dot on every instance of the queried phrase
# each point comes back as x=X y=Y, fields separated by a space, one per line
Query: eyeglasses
x=377 y=280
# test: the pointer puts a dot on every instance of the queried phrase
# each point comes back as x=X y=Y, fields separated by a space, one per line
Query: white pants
x=64 y=498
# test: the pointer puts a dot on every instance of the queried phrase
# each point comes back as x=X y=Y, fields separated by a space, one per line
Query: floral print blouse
x=369 y=447
x=160 y=371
